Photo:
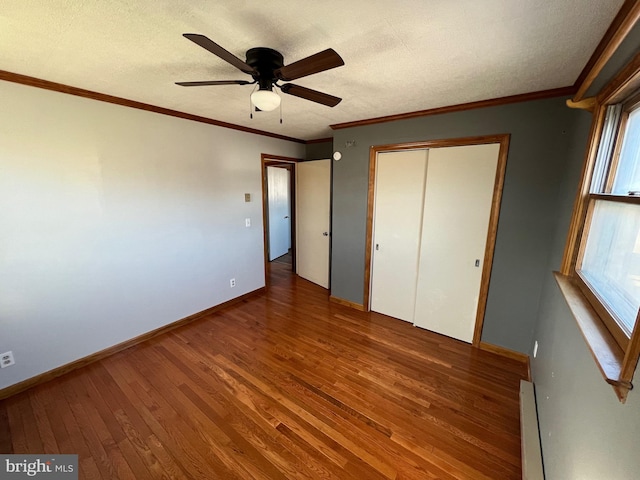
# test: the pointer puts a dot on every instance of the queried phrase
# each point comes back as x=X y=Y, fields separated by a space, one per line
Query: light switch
x=247 y=222
x=247 y=197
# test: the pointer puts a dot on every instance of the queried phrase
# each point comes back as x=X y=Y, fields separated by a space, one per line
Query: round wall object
x=337 y=156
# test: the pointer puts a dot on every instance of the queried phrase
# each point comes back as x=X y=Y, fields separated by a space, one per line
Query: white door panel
x=457 y=209
x=397 y=224
x=313 y=199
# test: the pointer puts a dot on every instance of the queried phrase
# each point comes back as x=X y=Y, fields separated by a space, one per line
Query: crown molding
x=523 y=97
x=319 y=140
x=101 y=97
x=624 y=21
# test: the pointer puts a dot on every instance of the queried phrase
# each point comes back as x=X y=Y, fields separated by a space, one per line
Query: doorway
x=433 y=211
x=278 y=202
x=309 y=211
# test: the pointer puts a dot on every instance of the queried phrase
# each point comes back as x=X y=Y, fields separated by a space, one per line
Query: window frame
x=616 y=354
x=592 y=295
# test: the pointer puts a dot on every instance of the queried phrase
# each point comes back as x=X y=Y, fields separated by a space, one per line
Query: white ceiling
x=400 y=55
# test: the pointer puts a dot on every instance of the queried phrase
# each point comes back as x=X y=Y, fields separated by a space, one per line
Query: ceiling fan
x=267 y=68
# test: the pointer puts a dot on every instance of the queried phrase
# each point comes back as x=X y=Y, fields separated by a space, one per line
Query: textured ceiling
x=400 y=56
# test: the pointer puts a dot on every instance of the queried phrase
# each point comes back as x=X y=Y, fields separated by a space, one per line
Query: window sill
x=607 y=353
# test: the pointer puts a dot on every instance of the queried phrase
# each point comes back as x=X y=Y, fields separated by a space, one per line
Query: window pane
x=606 y=147
x=611 y=261
x=627 y=177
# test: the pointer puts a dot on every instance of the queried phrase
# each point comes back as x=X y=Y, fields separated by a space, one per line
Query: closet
x=431 y=223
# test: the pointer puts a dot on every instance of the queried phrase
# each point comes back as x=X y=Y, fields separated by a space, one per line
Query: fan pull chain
x=251 y=104
x=280 y=113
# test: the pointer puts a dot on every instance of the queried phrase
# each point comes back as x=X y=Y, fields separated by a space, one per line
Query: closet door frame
x=503 y=140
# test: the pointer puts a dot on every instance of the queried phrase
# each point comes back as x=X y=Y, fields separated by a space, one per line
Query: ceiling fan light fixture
x=266 y=67
x=265 y=100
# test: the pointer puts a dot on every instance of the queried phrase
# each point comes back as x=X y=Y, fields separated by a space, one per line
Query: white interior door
x=397 y=224
x=279 y=205
x=313 y=198
x=457 y=209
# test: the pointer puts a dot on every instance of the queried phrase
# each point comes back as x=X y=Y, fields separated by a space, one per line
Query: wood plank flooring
x=282 y=386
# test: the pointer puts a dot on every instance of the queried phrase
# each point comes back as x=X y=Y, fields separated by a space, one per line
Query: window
x=601 y=269
x=608 y=263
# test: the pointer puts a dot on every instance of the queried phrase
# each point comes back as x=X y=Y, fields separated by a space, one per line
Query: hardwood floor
x=286 y=258
x=285 y=385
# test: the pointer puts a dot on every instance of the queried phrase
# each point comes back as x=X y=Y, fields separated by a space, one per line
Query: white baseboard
x=532 y=467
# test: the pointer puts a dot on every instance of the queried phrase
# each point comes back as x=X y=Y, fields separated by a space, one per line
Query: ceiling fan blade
x=308 y=94
x=213 y=82
x=325 y=60
x=216 y=49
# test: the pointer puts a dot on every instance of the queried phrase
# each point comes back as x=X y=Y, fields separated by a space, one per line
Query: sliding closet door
x=396 y=231
x=457 y=208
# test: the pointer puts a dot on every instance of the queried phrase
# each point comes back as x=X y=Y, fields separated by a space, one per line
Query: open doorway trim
x=272 y=160
x=503 y=140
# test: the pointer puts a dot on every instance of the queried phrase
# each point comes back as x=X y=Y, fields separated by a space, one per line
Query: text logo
x=50 y=467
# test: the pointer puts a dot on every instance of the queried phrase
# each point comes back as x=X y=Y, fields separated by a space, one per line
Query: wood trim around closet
x=503 y=140
x=491 y=238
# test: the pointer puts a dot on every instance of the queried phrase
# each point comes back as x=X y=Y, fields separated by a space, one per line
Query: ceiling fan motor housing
x=265 y=61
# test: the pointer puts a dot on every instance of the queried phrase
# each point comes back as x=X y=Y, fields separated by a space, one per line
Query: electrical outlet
x=232 y=282
x=6 y=359
x=535 y=349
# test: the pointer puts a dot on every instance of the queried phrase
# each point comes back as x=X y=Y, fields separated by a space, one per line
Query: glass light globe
x=265 y=100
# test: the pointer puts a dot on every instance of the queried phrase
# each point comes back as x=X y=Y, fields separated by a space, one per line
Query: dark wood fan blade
x=308 y=94
x=213 y=82
x=319 y=62
x=216 y=49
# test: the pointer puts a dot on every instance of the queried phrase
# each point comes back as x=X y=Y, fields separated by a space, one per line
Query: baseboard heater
x=532 y=468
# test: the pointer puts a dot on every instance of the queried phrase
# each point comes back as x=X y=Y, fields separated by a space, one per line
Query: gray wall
x=318 y=151
x=586 y=432
x=538 y=151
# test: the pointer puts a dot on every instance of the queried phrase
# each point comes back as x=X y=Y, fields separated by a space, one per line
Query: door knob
x=326 y=234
